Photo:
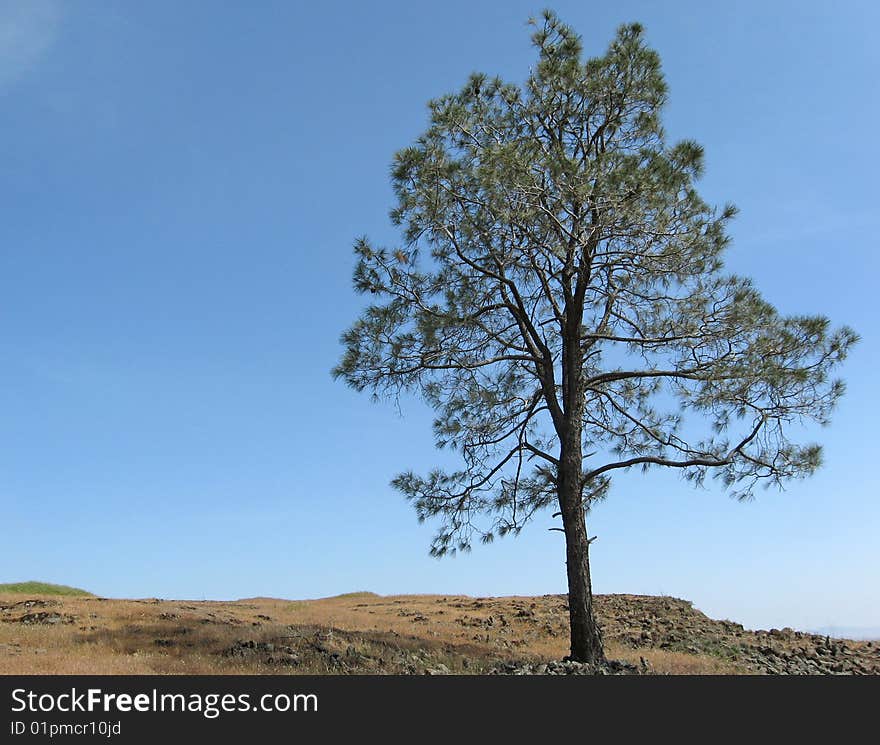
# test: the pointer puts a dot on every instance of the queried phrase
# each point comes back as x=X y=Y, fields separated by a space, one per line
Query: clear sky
x=181 y=186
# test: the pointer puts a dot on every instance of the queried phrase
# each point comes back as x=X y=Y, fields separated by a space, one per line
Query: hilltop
x=411 y=634
x=41 y=588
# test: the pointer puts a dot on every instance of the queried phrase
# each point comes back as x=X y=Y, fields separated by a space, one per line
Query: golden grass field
x=366 y=633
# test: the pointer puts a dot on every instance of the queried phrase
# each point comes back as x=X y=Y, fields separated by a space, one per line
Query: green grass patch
x=41 y=588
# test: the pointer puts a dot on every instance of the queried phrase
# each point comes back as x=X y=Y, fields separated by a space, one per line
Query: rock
x=247 y=647
x=566 y=667
x=290 y=660
x=44 y=617
x=439 y=669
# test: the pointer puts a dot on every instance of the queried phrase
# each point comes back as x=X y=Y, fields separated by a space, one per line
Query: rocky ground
x=367 y=633
x=669 y=623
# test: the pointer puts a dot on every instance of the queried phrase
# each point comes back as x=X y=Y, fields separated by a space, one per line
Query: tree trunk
x=586 y=638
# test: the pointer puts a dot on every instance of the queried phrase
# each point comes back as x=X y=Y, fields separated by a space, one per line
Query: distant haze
x=849 y=632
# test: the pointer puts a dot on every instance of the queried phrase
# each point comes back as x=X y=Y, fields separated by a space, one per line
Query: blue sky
x=181 y=186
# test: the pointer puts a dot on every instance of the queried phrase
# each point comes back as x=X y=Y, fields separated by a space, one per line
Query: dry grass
x=666 y=662
x=358 y=632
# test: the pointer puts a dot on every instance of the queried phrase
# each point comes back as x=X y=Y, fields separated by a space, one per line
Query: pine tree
x=559 y=299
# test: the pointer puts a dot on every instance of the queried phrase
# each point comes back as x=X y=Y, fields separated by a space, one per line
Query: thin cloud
x=28 y=29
